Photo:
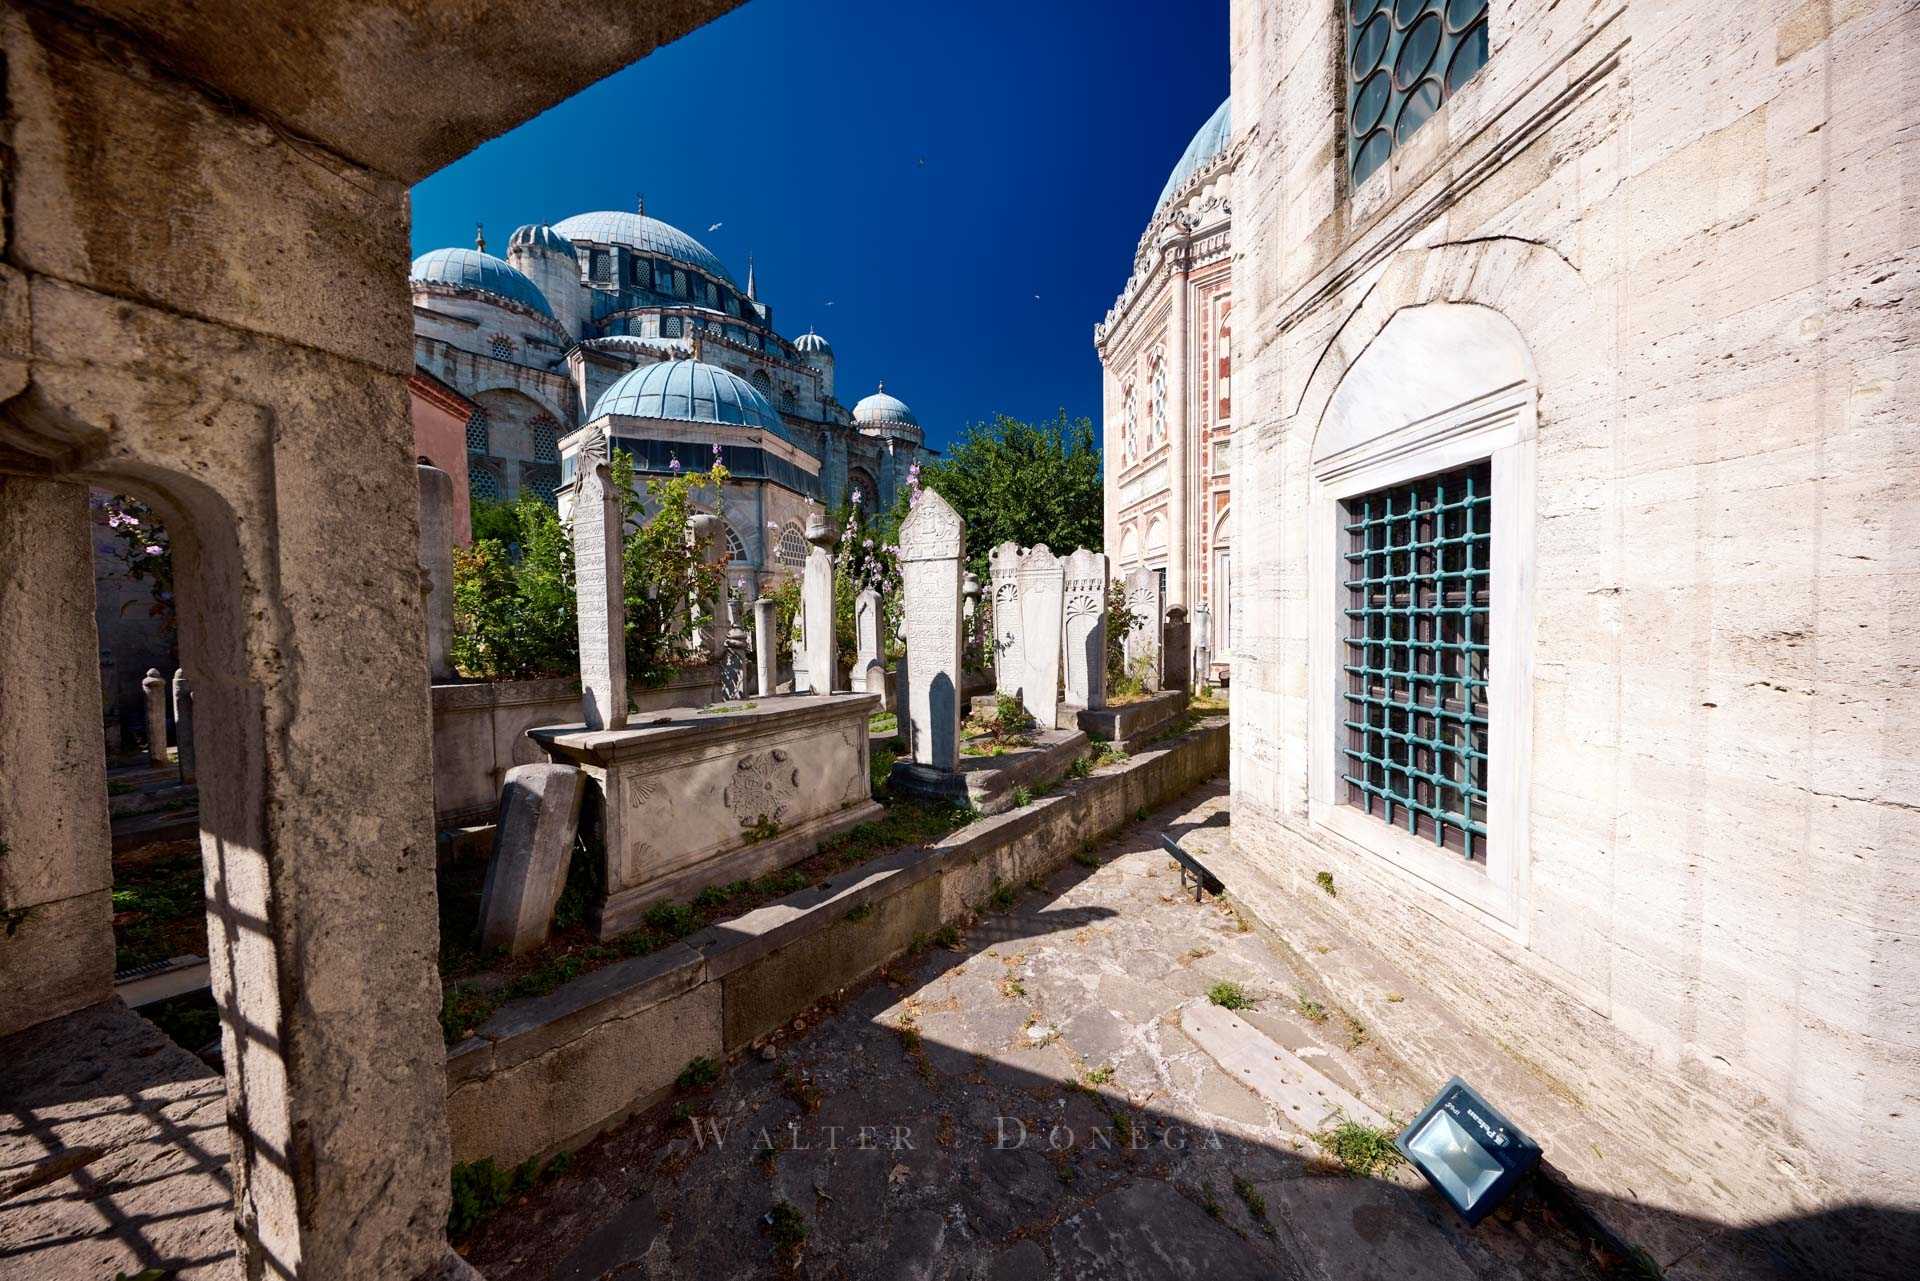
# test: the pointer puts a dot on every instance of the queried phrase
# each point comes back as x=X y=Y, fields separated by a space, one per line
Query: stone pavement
x=1024 y=1102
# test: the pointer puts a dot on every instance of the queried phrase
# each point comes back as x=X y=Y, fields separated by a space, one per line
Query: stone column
x=710 y=549
x=766 y=646
x=183 y=724
x=1179 y=448
x=154 y=687
x=56 y=854
x=599 y=582
x=1041 y=586
x=436 y=565
x=866 y=645
x=1084 y=629
x=1202 y=646
x=1176 y=653
x=932 y=542
x=816 y=596
x=970 y=620
x=1143 y=640
x=1009 y=664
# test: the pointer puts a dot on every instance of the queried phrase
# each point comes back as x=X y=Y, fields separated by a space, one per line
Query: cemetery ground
x=1072 y=1084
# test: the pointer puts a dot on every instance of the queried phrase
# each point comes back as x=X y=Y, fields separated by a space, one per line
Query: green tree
x=1027 y=483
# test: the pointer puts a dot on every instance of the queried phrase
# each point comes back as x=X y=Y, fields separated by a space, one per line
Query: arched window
x=792 y=551
x=1156 y=535
x=502 y=346
x=736 y=550
x=1157 y=407
x=1129 y=425
x=762 y=383
x=1224 y=367
x=545 y=431
x=484 y=482
x=1130 y=547
x=479 y=438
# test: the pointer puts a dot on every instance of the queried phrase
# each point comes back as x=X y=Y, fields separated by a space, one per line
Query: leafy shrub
x=1121 y=619
x=1230 y=996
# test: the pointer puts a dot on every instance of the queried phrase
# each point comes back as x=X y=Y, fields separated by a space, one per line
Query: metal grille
x=540 y=480
x=502 y=346
x=479 y=439
x=485 y=483
x=1415 y=706
x=546 y=439
x=1405 y=58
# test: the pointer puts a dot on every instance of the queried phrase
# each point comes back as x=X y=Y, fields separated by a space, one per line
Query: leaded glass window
x=1414 y=708
x=541 y=480
x=1405 y=59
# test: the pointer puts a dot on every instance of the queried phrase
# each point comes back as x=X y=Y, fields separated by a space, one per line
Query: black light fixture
x=1468 y=1150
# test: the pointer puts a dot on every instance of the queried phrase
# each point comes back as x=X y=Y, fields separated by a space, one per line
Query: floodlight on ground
x=1471 y=1153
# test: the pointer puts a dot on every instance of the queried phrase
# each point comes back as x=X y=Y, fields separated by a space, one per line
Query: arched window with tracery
x=1129 y=425
x=1224 y=365
x=479 y=437
x=736 y=550
x=792 y=549
x=484 y=482
x=1157 y=406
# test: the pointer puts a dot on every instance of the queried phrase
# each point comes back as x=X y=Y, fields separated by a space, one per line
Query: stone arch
x=1156 y=539
x=861 y=479
x=1130 y=546
x=1222 y=532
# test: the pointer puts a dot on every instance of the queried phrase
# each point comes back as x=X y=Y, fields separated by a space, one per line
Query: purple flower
x=153 y=549
x=868 y=544
x=673 y=464
x=856 y=497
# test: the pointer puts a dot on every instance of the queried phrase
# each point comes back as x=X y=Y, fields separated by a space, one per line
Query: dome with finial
x=812 y=344
x=882 y=410
x=643 y=235
x=480 y=272
x=540 y=236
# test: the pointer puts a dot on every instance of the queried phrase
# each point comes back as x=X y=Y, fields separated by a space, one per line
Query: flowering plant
x=143 y=543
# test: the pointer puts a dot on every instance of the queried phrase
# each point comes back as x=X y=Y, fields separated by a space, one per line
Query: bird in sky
x=715 y=227
x=829 y=304
x=923 y=162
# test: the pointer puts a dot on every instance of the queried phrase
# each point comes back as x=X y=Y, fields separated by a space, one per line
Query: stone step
x=1304 y=1096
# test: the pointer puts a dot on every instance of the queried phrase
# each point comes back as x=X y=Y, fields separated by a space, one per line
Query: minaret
x=752 y=292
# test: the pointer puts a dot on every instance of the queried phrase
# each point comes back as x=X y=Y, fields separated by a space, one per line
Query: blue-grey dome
x=541 y=236
x=812 y=344
x=644 y=235
x=1208 y=143
x=689 y=390
x=471 y=269
x=881 y=409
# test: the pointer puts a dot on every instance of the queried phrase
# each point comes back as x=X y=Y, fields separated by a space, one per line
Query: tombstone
x=866 y=642
x=970 y=621
x=532 y=845
x=1202 y=646
x=932 y=538
x=599 y=585
x=1042 y=581
x=816 y=597
x=436 y=566
x=1143 y=638
x=183 y=724
x=1176 y=653
x=766 y=631
x=802 y=682
x=710 y=550
x=733 y=664
x=154 y=686
x=1009 y=664
x=1084 y=629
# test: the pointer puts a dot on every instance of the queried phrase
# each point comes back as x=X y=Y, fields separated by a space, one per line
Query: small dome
x=691 y=391
x=471 y=269
x=643 y=235
x=812 y=344
x=541 y=236
x=881 y=409
x=1208 y=143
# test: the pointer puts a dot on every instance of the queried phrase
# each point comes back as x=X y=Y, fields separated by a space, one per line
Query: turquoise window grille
x=1417 y=647
x=1405 y=59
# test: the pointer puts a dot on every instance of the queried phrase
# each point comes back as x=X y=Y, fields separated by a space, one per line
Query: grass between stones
x=1361 y=1150
x=475 y=983
x=1230 y=996
x=159 y=903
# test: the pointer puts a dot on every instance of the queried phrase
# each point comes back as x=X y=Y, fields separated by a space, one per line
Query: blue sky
x=908 y=176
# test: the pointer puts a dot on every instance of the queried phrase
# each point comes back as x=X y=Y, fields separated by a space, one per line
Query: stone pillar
x=710 y=549
x=1041 y=586
x=766 y=646
x=183 y=724
x=154 y=687
x=866 y=643
x=436 y=565
x=1009 y=664
x=932 y=542
x=1143 y=640
x=1202 y=646
x=599 y=582
x=1084 y=629
x=816 y=596
x=970 y=621
x=802 y=682
x=56 y=854
x=733 y=664
x=1180 y=538
x=1176 y=653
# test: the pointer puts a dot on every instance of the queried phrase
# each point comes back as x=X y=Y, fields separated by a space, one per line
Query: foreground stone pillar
x=600 y=585
x=766 y=654
x=866 y=642
x=1009 y=664
x=816 y=596
x=1084 y=630
x=932 y=543
x=1143 y=639
x=154 y=689
x=710 y=549
x=1041 y=584
x=1176 y=654
x=183 y=724
x=436 y=564
x=56 y=855
x=1202 y=646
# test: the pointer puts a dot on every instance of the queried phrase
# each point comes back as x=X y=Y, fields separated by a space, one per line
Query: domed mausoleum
x=625 y=320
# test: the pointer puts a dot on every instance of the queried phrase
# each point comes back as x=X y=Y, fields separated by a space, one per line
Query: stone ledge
x=549 y=1073
x=1130 y=725
x=468 y=695
x=987 y=783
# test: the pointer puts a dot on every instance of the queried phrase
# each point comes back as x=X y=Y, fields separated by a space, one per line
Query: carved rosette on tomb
x=1009 y=665
x=763 y=784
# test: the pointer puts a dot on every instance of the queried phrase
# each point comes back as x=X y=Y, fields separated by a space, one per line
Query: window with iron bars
x=1416 y=656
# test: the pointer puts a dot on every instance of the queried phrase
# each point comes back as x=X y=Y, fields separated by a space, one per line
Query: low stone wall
x=1128 y=726
x=480 y=731
x=548 y=1073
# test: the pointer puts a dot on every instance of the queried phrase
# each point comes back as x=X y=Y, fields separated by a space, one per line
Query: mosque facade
x=621 y=320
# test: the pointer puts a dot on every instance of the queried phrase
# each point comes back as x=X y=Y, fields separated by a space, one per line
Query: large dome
x=691 y=391
x=1208 y=143
x=471 y=269
x=644 y=235
x=881 y=409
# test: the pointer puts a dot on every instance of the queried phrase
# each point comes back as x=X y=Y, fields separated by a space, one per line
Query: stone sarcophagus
x=687 y=799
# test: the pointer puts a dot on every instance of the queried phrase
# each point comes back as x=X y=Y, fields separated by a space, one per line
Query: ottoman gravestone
x=1084 y=629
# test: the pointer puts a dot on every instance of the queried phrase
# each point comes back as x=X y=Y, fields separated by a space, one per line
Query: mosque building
x=1166 y=349
x=620 y=320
